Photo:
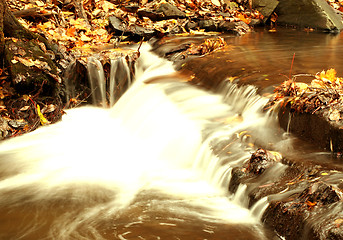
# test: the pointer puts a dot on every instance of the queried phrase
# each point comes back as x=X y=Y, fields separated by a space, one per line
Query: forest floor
x=81 y=28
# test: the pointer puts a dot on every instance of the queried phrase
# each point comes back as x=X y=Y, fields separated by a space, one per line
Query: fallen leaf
x=71 y=32
x=311 y=204
x=43 y=120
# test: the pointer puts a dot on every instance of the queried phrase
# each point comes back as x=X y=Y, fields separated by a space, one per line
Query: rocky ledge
x=305 y=200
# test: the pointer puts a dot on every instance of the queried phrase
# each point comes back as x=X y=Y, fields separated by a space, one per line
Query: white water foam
x=149 y=140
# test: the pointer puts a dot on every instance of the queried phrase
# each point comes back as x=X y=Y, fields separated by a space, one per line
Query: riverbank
x=36 y=75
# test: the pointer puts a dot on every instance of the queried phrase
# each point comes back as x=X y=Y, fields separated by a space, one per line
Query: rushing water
x=142 y=169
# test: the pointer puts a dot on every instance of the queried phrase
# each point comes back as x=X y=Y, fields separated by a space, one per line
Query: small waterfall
x=106 y=91
x=120 y=79
x=171 y=138
x=97 y=81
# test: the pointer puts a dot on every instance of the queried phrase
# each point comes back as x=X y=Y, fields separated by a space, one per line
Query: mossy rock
x=31 y=67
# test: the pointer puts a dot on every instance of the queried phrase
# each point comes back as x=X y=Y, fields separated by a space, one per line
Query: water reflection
x=264 y=58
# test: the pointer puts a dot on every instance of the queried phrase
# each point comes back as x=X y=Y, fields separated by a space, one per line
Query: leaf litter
x=81 y=27
x=325 y=92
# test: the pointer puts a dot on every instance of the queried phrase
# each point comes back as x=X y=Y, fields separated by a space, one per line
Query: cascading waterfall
x=106 y=93
x=154 y=149
x=97 y=80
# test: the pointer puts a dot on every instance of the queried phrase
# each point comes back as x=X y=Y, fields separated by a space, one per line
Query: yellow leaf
x=328 y=76
x=43 y=120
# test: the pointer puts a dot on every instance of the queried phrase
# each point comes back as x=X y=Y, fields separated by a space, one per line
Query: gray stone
x=309 y=13
x=239 y=27
x=208 y=24
x=170 y=11
x=265 y=7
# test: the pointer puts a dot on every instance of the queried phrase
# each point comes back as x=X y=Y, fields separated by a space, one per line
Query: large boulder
x=316 y=14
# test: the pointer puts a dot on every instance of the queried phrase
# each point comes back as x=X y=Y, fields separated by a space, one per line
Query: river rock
x=308 y=13
x=260 y=160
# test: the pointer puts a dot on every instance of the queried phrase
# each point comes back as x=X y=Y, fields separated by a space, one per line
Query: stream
x=145 y=168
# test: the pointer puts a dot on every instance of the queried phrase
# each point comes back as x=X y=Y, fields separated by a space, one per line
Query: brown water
x=264 y=58
x=145 y=169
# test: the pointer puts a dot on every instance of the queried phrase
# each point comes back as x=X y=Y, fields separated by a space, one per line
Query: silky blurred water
x=145 y=168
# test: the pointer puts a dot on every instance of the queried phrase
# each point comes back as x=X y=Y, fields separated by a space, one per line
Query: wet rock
x=237 y=177
x=286 y=218
x=261 y=160
x=321 y=193
x=170 y=11
x=308 y=13
x=294 y=219
x=305 y=200
x=316 y=128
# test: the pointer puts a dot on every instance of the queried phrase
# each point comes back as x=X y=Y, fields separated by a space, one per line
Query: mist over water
x=148 y=159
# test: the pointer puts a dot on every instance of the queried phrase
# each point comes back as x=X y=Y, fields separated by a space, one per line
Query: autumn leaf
x=310 y=204
x=71 y=32
x=243 y=18
x=327 y=76
x=43 y=120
